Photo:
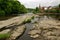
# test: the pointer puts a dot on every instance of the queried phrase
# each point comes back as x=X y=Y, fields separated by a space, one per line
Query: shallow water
x=29 y=26
x=25 y=36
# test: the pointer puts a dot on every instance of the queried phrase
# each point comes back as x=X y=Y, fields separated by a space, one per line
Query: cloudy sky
x=34 y=3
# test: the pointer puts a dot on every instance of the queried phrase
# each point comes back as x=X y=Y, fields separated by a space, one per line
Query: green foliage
x=10 y=7
x=55 y=9
x=30 y=10
x=52 y=11
x=2 y=13
x=23 y=9
x=59 y=5
x=32 y=17
x=4 y=36
x=27 y=21
x=36 y=10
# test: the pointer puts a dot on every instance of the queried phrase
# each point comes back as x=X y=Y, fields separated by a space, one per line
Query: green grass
x=32 y=17
x=4 y=36
x=27 y=21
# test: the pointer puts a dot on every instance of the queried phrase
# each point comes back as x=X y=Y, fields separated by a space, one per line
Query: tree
x=2 y=13
x=11 y=7
x=36 y=10
x=59 y=5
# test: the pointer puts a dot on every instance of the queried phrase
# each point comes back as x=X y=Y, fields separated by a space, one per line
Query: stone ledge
x=17 y=32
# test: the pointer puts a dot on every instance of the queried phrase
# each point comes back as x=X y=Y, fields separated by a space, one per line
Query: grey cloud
x=33 y=4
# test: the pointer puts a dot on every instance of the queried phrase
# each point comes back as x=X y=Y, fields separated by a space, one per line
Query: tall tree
x=9 y=7
x=59 y=5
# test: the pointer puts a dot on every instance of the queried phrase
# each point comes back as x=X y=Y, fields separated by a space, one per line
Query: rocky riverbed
x=14 y=26
x=40 y=28
x=46 y=29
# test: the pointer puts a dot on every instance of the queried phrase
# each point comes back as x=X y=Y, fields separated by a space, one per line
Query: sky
x=35 y=3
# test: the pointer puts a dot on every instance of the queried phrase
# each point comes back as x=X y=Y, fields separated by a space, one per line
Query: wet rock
x=35 y=36
x=46 y=29
x=34 y=32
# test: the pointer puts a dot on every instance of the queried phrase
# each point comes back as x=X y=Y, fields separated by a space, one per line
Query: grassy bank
x=4 y=36
x=28 y=20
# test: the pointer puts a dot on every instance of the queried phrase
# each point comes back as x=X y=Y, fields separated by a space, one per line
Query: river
x=29 y=26
x=25 y=36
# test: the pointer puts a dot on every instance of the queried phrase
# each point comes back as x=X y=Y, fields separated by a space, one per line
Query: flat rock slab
x=5 y=31
x=17 y=32
x=14 y=21
x=46 y=29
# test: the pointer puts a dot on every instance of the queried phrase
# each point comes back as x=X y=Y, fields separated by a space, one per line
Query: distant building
x=49 y=7
x=42 y=9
